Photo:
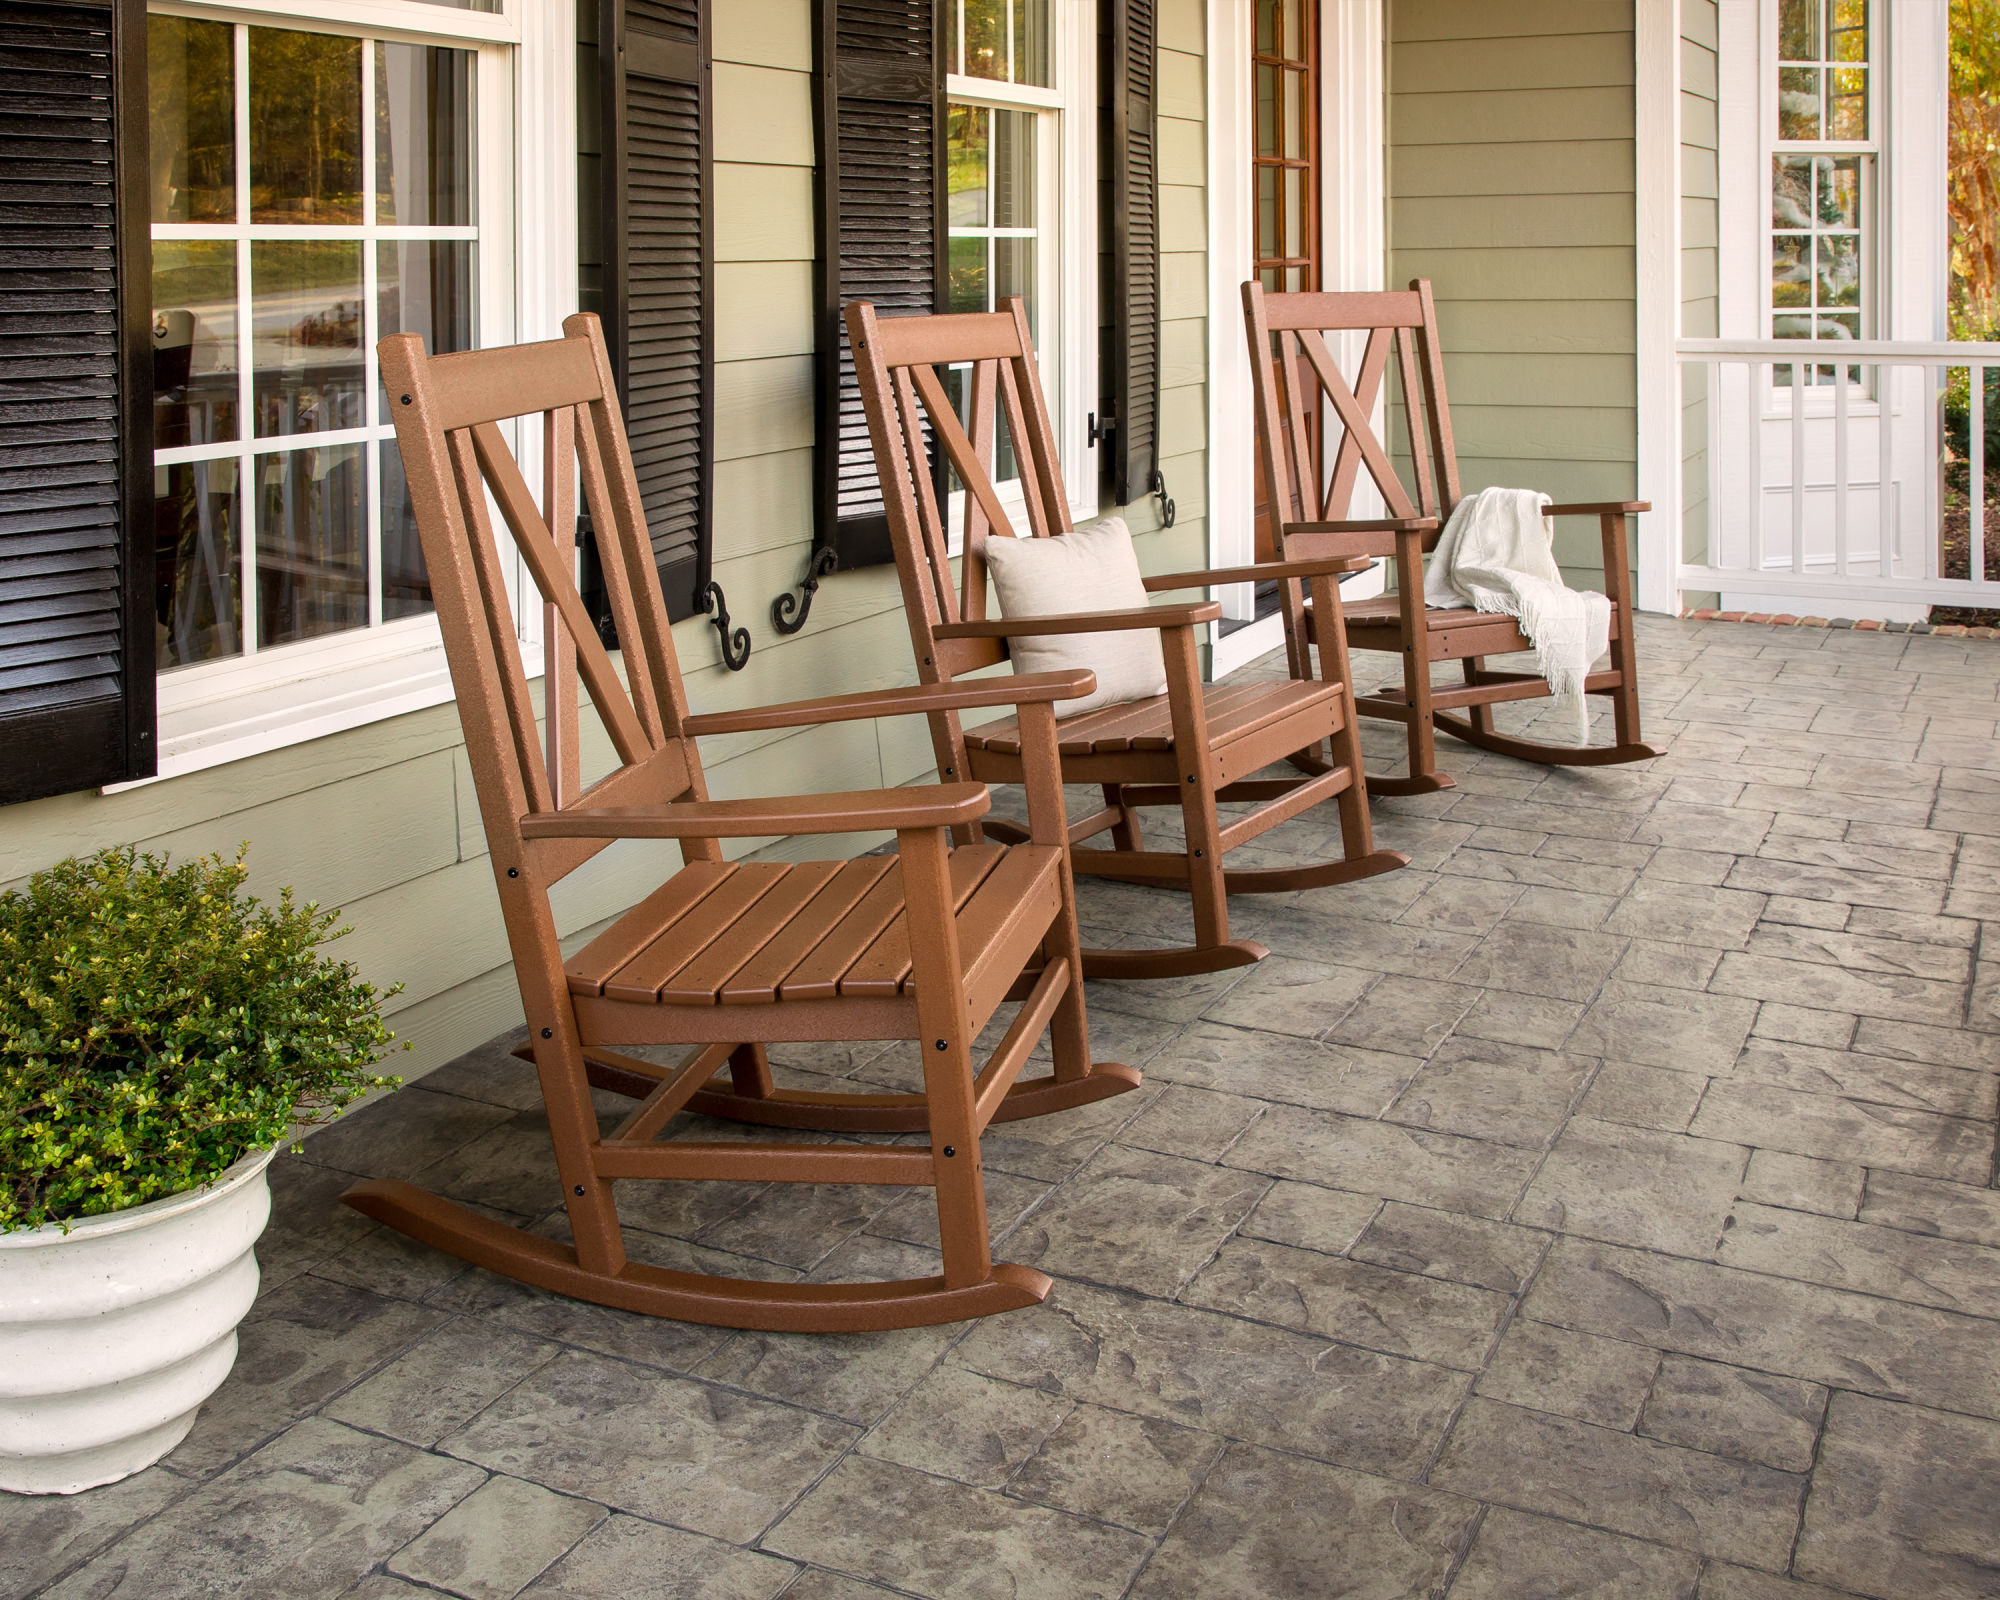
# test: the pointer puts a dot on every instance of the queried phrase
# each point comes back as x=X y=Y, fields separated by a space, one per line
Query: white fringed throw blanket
x=1496 y=554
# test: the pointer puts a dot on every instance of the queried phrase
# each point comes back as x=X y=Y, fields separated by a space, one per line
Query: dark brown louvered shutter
x=1132 y=368
x=658 y=274
x=879 y=71
x=76 y=650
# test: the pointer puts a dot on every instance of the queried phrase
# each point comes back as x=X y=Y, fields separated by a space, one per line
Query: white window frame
x=1775 y=399
x=1066 y=253
x=525 y=141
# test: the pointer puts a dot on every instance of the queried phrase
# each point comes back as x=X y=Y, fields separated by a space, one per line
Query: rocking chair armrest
x=1318 y=567
x=1368 y=525
x=1083 y=622
x=908 y=702
x=1600 y=508
x=937 y=805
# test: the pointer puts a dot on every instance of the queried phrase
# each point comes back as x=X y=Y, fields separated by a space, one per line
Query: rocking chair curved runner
x=721 y=957
x=1191 y=747
x=1297 y=381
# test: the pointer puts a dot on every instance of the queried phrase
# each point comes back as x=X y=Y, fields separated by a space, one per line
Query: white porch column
x=1656 y=131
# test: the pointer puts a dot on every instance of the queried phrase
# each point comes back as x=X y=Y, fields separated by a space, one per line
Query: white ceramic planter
x=112 y=1335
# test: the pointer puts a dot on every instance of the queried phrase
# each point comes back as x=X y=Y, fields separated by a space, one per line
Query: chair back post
x=1437 y=409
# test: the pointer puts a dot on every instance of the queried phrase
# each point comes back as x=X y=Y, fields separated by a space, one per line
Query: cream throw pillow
x=1092 y=569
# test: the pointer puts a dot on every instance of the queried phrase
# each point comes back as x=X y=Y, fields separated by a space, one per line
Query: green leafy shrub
x=157 y=1025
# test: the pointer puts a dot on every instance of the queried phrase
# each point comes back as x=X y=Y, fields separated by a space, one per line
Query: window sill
x=212 y=717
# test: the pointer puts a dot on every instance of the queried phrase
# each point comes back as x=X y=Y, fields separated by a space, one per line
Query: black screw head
x=406 y=399
x=940 y=1044
x=548 y=1033
x=513 y=872
x=579 y=1188
x=1197 y=855
x=950 y=1151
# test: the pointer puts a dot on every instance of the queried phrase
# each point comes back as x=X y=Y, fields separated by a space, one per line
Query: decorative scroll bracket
x=789 y=612
x=1166 y=500
x=735 y=646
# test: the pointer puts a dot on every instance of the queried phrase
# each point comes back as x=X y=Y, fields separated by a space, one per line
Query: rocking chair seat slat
x=1234 y=712
x=766 y=932
x=880 y=970
x=1382 y=611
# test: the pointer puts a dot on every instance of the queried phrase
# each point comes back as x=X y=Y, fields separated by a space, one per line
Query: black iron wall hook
x=735 y=646
x=1159 y=487
x=789 y=611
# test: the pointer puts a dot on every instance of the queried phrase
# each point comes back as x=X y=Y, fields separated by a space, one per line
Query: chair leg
x=750 y=1072
x=946 y=1044
x=1423 y=731
x=1125 y=832
x=588 y=1198
x=1480 y=716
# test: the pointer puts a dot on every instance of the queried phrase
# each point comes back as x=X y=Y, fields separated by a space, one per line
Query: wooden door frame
x=1353 y=187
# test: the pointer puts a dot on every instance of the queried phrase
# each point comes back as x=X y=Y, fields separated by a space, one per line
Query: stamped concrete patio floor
x=1602 y=1206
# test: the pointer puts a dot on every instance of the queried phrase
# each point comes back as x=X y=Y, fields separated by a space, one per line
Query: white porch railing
x=1815 y=475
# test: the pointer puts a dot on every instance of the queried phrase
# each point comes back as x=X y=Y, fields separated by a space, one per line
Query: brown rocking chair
x=1296 y=379
x=722 y=957
x=1190 y=747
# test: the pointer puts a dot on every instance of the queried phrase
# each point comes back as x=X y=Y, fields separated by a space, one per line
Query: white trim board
x=1656 y=118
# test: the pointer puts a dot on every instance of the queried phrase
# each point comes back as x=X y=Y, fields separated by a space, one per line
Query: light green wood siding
x=1511 y=188
x=382 y=821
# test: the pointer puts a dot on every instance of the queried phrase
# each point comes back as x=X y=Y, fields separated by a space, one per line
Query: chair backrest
x=1315 y=433
x=990 y=357
x=448 y=410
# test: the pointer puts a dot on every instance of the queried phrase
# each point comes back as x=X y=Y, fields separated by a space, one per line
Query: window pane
x=1846 y=325
x=1013 y=169
x=198 y=612
x=1267 y=213
x=1266 y=78
x=1791 y=191
x=312 y=543
x=1792 y=327
x=985 y=38
x=194 y=344
x=191 y=88
x=406 y=582
x=1031 y=43
x=1798 y=30
x=423 y=136
x=1798 y=102
x=1266 y=29
x=1848 y=111
x=965 y=165
x=305 y=320
x=305 y=127
x=424 y=286
x=1791 y=273
x=1296 y=213
x=1850 y=30
x=1014 y=272
x=1298 y=116
x=1840 y=191
x=967 y=288
x=1839 y=275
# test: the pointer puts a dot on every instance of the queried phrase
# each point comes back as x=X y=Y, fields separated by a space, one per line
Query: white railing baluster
x=1800 y=374
x=1753 y=560
x=1888 y=542
x=1975 y=454
x=1840 y=472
